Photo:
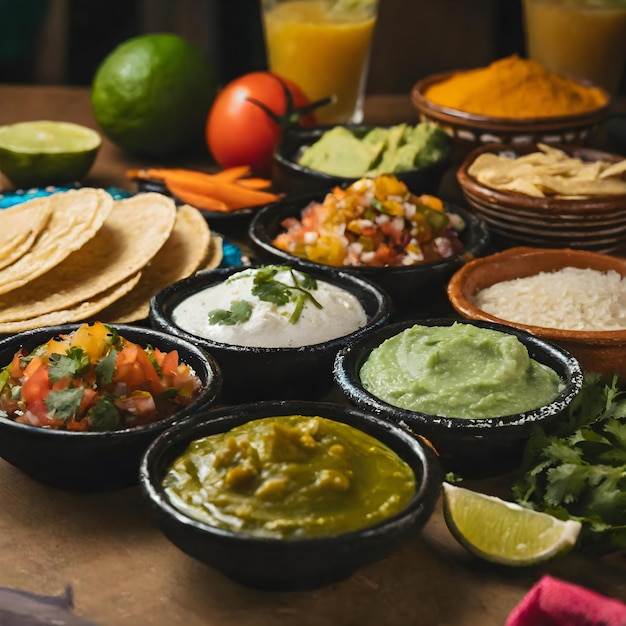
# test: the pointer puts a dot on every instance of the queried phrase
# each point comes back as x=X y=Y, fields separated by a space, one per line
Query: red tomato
x=240 y=132
x=36 y=386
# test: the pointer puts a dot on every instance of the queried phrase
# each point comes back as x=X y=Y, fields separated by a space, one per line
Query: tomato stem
x=292 y=115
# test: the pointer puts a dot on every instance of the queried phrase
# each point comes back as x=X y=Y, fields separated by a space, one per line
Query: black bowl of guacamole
x=349 y=151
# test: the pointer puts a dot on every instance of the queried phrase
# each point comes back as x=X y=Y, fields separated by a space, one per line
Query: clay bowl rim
x=511 y=200
x=458 y=297
x=348 y=361
x=545 y=124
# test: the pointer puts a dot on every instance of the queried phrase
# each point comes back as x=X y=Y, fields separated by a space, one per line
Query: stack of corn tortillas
x=78 y=255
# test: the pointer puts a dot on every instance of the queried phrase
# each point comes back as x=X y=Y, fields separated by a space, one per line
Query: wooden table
x=124 y=572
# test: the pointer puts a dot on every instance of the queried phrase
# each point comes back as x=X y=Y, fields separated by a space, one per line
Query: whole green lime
x=152 y=94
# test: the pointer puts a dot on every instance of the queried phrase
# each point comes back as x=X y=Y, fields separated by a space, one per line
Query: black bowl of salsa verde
x=294 y=525
x=452 y=375
x=84 y=421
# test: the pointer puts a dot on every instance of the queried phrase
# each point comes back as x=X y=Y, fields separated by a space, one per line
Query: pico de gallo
x=93 y=379
x=373 y=222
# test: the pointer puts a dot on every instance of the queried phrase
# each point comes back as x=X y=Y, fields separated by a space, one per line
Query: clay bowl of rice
x=575 y=299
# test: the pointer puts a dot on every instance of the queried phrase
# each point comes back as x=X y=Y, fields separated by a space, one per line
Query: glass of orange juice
x=578 y=38
x=323 y=46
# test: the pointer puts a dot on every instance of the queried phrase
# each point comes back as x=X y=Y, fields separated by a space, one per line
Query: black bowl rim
x=348 y=381
x=523 y=124
x=184 y=432
x=210 y=392
x=470 y=250
x=206 y=278
x=307 y=136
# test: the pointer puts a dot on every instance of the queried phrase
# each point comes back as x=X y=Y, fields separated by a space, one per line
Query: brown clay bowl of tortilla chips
x=567 y=217
x=102 y=457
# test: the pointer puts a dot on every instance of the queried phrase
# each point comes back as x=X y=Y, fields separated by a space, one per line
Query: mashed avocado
x=341 y=151
x=458 y=371
x=291 y=477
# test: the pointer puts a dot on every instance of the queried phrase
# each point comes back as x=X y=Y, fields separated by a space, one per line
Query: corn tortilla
x=180 y=256
x=20 y=226
x=76 y=313
x=76 y=217
x=215 y=254
x=134 y=231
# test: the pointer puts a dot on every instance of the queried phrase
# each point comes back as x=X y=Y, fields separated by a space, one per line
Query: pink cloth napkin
x=554 y=602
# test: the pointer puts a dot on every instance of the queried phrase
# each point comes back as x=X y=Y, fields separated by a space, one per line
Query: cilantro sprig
x=268 y=289
x=578 y=470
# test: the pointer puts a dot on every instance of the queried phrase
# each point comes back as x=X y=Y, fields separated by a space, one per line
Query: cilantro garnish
x=239 y=312
x=104 y=415
x=106 y=368
x=113 y=338
x=72 y=364
x=579 y=470
x=267 y=288
x=64 y=404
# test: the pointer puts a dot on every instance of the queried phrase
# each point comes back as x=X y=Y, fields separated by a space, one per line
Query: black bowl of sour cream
x=273 y=330
x=474 y=389
x=335 y=514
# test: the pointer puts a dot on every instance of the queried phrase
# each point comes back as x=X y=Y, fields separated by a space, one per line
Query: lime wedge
x=43 y=152
x=504 y=532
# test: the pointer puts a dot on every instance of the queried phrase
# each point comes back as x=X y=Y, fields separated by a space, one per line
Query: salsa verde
x=291 y=477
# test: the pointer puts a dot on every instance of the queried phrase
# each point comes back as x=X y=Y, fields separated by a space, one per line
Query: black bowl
x=96 y=461
x=292 y=178
x=407 y=285
x=252 y=373
x=472 y=447
x=288 y=564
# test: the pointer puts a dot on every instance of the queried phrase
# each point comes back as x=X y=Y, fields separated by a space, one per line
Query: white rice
x=569 y=299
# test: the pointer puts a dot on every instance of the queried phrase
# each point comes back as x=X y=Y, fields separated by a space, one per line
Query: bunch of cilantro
x=578 y=469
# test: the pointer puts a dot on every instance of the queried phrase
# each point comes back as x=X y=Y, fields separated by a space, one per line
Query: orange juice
x=323 y=51
x=578 y=38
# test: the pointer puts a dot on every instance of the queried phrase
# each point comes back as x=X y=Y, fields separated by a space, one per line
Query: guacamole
x=351 y=153
x=458 y=371
x=290 y=477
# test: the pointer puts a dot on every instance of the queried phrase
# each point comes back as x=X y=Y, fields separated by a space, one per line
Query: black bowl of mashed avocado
x=289 y=495
x=475 y=390
x=316 y=159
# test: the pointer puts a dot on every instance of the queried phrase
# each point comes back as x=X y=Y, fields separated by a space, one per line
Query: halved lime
x=504 y=532
x=45 y=152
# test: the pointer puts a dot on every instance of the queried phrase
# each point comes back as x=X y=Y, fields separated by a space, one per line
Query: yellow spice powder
x=515 y=88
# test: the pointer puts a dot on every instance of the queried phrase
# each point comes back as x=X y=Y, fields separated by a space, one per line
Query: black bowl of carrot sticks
x=227 y=198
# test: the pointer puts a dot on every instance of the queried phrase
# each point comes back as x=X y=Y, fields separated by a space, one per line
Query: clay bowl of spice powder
x=512 y=101
x=575 y=299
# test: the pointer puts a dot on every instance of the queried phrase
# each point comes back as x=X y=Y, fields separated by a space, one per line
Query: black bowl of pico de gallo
x=79 y=403
x=376 y=229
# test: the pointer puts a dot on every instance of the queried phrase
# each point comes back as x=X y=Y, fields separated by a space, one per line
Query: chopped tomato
x=37 y=385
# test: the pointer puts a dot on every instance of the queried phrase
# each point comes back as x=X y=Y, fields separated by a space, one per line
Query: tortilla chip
x=77 y=313
x=76 y=217
x=20 y=226
x=549 y=172
x=132 y=234
x=180 y=256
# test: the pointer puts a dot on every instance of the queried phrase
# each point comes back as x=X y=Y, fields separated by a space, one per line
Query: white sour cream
x=269 y=325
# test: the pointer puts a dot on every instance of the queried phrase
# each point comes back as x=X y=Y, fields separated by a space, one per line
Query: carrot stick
x=233 y=173
x=199 y=201
x=254 y=183
x=234 y=196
